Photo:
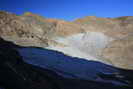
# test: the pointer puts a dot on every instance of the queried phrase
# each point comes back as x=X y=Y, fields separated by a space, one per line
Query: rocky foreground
x=108 y=40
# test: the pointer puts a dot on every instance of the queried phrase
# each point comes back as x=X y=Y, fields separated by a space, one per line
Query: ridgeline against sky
x=70 y=9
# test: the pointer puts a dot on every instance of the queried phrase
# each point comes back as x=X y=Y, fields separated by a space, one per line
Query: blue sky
x=70 y=9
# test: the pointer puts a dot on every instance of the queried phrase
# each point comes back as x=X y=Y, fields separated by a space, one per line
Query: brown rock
x=119 y=52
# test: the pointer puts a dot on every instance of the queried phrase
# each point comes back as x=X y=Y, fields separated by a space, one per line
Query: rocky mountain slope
x=107 y=40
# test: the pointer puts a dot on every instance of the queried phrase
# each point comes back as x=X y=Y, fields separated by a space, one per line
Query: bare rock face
x=33 y=30
x=64 y=28
x=102 y=39
x=24 y=30
x=119 y=52
x=113 y=27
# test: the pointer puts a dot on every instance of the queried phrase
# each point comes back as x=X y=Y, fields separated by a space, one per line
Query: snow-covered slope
x=83 y=45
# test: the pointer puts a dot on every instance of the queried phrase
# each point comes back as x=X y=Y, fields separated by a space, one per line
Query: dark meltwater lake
x=74 y=68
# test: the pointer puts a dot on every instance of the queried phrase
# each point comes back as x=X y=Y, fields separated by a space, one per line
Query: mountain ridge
x=80 y=38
